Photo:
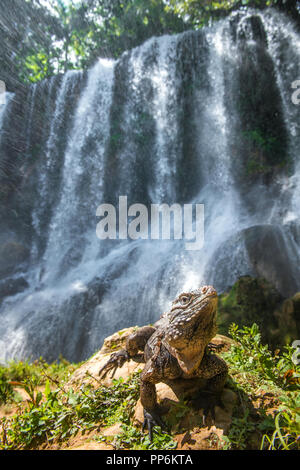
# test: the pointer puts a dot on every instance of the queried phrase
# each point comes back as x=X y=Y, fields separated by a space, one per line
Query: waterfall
x=82 y=178
x=284 y=45
x=3 y=111
x=203 y=117
x=48 y=167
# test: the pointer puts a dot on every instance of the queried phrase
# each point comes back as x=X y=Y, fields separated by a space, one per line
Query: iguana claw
x=152 y=419
x=116 y=360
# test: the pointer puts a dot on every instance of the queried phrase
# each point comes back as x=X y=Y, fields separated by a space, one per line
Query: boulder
x=88 y=373
x=255 y=300
x=261 y=251
x=288 y=319
x=273 y=255
x=296 y=305
x=250 y=300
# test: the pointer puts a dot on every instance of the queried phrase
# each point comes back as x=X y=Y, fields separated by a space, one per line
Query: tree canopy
x=41 y=38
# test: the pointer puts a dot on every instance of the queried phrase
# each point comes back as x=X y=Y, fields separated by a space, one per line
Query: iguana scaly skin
x=176 y=347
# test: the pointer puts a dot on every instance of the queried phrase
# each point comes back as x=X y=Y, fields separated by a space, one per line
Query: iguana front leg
x=215 y=370
x=161 y=366
x=135 y=342
x=152 y=412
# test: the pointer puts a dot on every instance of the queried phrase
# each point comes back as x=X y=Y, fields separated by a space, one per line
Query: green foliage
x=134 y=439
x=59 y=370
x=29 y=376
x=201 y=12
x=44 y=41
x=40 y=41
x=286 y=435
x=266 y=143
x=176 y=412
x=61 y=414
x=264 y=153
x=113 y=26
x=250 y=355
x=6 y=389
x=254 y=369
x=27 y=52
x=239 y=432
x=57 y=415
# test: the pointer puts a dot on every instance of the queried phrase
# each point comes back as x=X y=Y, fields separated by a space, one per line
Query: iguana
x=177 y=346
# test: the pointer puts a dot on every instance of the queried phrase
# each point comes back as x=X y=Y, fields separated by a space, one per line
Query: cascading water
x=48 y=165
x=201 y=117
x=3 y=110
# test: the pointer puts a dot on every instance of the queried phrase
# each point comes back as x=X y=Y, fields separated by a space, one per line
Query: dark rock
x=287 y=330
x=252 y=300
x=12 y=255
x=296 y=304
x=10 y=287
x=273 y=255
x=262 y=251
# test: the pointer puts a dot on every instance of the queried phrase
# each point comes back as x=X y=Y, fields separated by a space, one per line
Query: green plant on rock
x=250 y=354
x=176 y=412
x=265 y=142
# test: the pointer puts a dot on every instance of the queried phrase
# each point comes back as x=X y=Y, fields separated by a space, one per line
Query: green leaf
x=47 y=389
x=38 y=398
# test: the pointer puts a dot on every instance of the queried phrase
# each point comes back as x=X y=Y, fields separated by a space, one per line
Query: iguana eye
x=184 y=299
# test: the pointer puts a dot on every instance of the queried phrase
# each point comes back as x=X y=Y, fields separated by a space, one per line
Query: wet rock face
x=12 y=255
x=266 y=251
x=273 y=255
x=296 y=308
x=10 y=287
x=259 y=142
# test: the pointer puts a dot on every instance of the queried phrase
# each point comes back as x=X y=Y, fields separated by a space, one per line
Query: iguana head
x=191 y=324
